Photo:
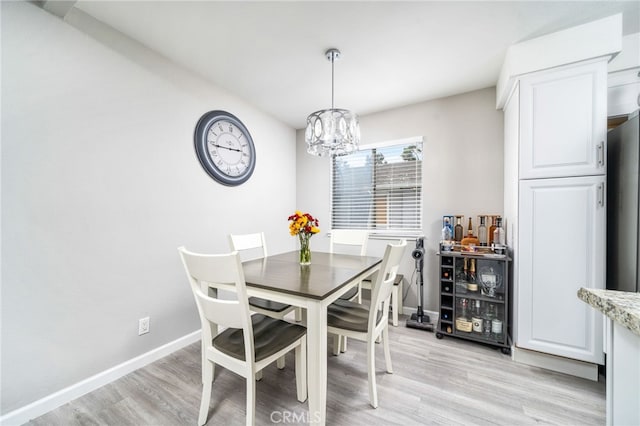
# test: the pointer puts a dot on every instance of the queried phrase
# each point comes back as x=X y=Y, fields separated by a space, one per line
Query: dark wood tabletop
x=327 y=273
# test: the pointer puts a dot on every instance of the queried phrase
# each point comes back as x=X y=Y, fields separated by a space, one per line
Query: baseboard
x=57 y=399
x=559 y=364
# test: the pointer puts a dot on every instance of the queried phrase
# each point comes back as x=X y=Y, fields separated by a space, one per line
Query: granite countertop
x=621 y=306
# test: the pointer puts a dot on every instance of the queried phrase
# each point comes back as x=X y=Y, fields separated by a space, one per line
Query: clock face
x=225 y=148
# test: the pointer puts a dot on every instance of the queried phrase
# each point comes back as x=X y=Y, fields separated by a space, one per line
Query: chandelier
x=332 y=131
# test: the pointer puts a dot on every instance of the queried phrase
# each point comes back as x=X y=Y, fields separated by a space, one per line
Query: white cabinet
x=563 y=114
x=561 y=248
x=554 y=191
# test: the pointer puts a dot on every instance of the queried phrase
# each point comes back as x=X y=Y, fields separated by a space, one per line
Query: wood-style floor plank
x=435 y=382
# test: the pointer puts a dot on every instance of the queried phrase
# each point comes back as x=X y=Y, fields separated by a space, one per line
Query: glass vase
x=305 y=252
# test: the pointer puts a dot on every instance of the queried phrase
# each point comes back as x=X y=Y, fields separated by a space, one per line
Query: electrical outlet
x=143 y=326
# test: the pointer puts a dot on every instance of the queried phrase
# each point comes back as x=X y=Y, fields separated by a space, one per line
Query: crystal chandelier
x=332 y=131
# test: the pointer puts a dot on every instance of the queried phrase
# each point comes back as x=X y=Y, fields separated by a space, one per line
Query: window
x=379 y=188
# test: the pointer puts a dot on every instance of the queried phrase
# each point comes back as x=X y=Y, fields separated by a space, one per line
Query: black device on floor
x=419 y=320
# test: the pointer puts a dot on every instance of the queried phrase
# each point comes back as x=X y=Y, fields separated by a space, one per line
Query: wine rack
x=475 y=298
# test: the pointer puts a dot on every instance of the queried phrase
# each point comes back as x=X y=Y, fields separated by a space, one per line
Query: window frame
x=388 y=233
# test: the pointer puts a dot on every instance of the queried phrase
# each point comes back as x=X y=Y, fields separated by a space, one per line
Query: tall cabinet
x=555 y=175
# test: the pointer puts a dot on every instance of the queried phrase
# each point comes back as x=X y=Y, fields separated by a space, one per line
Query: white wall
x=462 y=172
x=100 y=185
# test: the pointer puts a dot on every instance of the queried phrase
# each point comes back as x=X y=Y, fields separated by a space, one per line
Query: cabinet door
x=561 y=248
x=563 y=114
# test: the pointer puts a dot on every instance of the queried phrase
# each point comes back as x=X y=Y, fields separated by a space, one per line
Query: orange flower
x=303 y=224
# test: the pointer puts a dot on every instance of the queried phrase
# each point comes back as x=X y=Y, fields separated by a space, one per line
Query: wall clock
x=225 y=148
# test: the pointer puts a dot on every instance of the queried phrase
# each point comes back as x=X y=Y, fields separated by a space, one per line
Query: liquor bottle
x=496 y=327
x=463 y=320
x=472 y=285
x=446 y=234
x=487 y=317
x=470 y=239
x=477 y=321
x=491 y=229
x=482 y=231
x=446 y=230
x=498 y=237
x=457 y=232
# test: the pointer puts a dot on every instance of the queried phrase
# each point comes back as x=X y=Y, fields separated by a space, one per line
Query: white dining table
x=313 y=287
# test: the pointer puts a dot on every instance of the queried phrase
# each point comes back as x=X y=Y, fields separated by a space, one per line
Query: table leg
x=317 y=362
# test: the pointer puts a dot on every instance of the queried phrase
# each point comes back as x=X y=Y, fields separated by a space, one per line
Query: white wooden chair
x=396 y=296
x=368 y=323
x=249 y=343
x=350 y=241
x=255 y=244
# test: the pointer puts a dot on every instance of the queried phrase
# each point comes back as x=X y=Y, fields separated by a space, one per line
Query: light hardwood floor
x=446 y=381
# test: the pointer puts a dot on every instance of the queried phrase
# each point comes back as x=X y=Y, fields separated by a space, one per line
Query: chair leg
x=337 y=339
x=259 y=375
x=280 y=362
x=360 y=292
x=298 y=314
x=395 y=304
x=387 y=352
x=301 y=370
x=251 y=401
x=343 y=344
x=371 y=372
x=207 y=375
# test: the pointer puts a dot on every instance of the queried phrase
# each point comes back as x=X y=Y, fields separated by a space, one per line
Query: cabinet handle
x=601 y=195
x=601 y=154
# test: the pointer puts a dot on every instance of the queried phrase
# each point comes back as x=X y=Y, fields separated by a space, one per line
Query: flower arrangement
x=304 y=226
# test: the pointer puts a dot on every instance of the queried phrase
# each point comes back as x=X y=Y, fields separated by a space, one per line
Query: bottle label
x=496 y=326
x=463 y=324
x=476 y=324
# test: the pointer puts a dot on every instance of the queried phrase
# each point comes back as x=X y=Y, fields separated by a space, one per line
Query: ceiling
x=393 y=53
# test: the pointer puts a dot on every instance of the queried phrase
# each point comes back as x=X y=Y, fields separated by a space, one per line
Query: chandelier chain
x=332 y=77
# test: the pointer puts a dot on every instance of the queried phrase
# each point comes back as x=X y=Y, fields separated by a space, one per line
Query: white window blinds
x=379 y=188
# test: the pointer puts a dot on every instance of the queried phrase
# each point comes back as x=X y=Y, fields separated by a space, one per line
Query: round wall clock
x=225 y=148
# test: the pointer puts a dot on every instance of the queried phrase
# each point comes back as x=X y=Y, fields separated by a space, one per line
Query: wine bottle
x=498 y=237
x=482 y=231
x=472 y=285
x=465 y=270
x=457 y=232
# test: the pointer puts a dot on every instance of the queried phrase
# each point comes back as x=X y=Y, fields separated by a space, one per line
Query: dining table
x=314 y=287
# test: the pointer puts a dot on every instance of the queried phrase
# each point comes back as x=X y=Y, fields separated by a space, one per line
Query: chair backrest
x=246 y=242
x=223 y=270
x=381 y=290
x=349 y=237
